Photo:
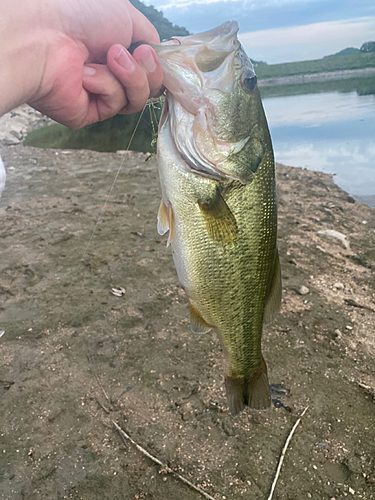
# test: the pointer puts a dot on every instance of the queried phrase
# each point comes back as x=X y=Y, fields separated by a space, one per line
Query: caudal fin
x=252 y=390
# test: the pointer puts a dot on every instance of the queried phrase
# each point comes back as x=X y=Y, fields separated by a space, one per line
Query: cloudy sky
x=281 y=30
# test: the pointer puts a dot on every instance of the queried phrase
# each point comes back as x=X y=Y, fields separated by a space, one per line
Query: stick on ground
x=282 y=456
x=157 y=461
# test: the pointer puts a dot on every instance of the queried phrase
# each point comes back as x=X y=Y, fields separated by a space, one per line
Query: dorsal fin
x=274 y=297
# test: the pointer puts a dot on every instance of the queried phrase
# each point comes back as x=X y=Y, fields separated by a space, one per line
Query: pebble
x=302 y=290
x=334 y=237
x=338 y=334
x=338 y=286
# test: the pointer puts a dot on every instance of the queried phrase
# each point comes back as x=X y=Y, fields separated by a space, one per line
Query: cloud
x=311 y=41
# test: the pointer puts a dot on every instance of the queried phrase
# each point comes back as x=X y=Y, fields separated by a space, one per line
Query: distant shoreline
x=317 y=77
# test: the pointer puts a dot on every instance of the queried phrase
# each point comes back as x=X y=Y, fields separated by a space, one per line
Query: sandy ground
x=75 y=358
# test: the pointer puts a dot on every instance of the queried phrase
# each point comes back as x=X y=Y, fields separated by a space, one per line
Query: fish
x=217 y=176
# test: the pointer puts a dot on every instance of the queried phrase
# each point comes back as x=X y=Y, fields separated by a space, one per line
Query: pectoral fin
x=197 y=323
x=163 y=223
x=274 y=297
x=166 y=221
x=219 y=221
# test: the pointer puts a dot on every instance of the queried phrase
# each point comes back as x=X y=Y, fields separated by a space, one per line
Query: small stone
x=348 y=327
x=338 y=334
x=302 y=290
x=334 y=237
x=351 y=490
x=338 y=286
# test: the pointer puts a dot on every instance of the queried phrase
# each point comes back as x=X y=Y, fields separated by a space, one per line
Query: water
x=328 y=127
x=332 y=131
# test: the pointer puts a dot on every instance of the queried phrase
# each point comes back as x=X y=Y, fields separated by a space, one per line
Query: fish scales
x=219 y=203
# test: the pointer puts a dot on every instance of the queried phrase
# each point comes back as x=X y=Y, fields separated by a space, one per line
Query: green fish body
x=217 y=176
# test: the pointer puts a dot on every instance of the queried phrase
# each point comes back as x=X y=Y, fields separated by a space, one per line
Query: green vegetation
x=361 y=85
x=368 y=47
x=109 y=135
x=165 y=28
x=358 y=60
x=345 y=52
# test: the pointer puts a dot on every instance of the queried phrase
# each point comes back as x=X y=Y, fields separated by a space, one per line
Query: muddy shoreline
x=75 y=357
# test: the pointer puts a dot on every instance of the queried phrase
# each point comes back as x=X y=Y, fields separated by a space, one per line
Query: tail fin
x=252 y=390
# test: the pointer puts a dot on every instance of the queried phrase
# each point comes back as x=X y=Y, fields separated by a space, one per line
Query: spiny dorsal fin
x=197 y=323
x=219 y=221
x=274 y=297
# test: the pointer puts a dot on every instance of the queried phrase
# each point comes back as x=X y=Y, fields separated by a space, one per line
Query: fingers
x=148 y=60
x=140 y=74
x=106 y=94
x=124 y=85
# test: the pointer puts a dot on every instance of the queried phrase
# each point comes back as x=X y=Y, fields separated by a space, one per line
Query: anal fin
x=252 y=390
x=197 y=323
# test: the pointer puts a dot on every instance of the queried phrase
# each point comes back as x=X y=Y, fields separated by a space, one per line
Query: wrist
x=22 y=49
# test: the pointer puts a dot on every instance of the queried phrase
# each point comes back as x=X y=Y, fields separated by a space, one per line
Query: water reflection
x=332 y=132
x=328 y=126
x=110 y=135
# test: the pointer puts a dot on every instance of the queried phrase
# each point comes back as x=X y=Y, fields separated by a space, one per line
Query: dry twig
x=282 y=456
x=157 y=461
x=89 y=357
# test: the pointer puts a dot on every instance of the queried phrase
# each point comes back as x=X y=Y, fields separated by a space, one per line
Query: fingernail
x=148 y=63
x=88 y=71
x=123 y=58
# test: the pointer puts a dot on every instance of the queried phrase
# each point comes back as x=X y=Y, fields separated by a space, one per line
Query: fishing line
x=111 y=189
x=102 y=210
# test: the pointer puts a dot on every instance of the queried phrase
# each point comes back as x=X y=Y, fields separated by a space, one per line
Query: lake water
x=327 y=126
x=332 y=131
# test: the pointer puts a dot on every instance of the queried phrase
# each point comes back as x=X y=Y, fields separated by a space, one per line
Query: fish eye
x=249 y=81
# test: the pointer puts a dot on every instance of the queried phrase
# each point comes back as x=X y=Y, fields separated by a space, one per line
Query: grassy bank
x=334 y=63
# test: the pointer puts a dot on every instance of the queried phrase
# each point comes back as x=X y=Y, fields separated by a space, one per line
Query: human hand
x=84 y=73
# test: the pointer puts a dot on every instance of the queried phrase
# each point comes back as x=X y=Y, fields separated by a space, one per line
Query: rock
x=334 y=237
x=338 y=286
x=338 y=334
x=3 y=176
x=15 y=125
x=302 y=290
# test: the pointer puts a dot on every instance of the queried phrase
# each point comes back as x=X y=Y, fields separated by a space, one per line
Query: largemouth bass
x=217 y=177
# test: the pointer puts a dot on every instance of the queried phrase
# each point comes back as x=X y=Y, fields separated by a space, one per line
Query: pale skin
x=69 y=59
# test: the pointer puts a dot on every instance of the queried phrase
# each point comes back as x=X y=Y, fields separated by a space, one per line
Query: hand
x=83 y=71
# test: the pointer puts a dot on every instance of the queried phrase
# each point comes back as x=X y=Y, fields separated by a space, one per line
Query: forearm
x=21 y=53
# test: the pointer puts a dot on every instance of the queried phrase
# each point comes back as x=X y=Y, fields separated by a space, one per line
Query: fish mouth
x=193 y=62
x=199 y=72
